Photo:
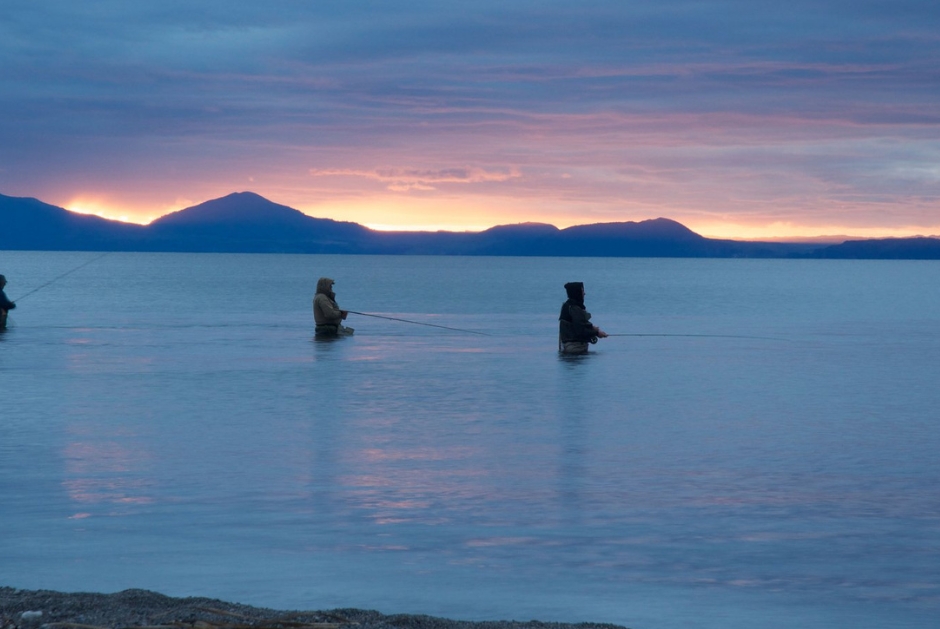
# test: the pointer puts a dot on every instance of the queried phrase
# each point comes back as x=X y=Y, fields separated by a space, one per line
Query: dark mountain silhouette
x=918 y=248
x=27 y=223
x=247 y=222
x=657 y=237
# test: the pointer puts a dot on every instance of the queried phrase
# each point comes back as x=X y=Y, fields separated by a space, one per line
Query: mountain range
x=249 y=223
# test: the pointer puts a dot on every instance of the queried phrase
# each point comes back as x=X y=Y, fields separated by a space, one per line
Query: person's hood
x=575 y=290
x=325 y=286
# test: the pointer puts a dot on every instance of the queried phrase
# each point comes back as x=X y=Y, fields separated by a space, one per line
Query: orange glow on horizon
x=96 y=208
x=113 y=211
x=399 y=214
x=783 y=231
x=102 y=208
x=402 y=213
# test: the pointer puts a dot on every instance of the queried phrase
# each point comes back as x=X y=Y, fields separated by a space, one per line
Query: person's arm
x=328 y=308
x=6 y=304
x=581 y=324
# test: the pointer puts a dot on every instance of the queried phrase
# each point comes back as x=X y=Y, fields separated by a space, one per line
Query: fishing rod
x=431 y=325
x=81 y=266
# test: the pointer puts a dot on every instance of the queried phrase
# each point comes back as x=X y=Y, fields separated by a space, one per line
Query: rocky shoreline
x=45 y=609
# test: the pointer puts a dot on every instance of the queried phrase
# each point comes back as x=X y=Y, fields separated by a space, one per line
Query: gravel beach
x=44 y=609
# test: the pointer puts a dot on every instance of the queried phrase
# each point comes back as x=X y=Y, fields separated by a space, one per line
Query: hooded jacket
x=5 y=304
x=574 y=321
x=325 y=310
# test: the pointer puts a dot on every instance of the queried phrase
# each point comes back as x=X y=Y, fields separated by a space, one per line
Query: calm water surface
x=765 y=455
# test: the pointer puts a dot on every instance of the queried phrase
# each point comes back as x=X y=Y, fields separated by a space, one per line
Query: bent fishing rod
x=430 y=325
x=56 y=279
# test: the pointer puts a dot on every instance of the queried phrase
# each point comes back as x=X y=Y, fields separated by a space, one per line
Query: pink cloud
x=407 y=179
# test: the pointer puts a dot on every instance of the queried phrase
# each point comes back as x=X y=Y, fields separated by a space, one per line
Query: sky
x=737 y=118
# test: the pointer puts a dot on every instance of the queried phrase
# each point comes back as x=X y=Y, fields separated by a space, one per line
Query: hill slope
x=247 y=222
x=27 y=223
x=919 y=248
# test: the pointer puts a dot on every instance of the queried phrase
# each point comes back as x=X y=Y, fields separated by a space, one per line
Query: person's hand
x=601 y=334
x=345 y=313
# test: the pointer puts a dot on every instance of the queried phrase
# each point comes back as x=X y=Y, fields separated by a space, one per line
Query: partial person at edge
x=326 y=313
x=575 y=329
x=5 y=304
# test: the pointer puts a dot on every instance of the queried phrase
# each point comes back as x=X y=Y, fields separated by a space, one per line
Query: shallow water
x=765 y=455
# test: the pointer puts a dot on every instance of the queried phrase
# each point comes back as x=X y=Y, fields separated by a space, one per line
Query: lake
x=759 y=448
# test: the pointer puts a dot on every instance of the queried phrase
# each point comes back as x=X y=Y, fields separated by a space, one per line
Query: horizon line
x=711 y=234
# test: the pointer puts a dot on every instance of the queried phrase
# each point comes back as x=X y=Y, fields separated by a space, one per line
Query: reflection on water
x=101 y=473
x=719 y=479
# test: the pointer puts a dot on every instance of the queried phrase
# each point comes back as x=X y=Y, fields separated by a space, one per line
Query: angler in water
x=326 y=313
x=5 y=304
x=575 y=329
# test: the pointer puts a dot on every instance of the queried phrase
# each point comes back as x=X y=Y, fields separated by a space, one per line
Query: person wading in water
x=327 y=315
x=5 y=304
x=575 y=329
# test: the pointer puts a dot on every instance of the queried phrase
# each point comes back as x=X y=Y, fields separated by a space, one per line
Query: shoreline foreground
x=46 y=609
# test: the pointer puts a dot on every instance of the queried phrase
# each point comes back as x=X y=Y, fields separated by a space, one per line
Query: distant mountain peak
x=236 y=208
x=652 y=229
x=523 y=228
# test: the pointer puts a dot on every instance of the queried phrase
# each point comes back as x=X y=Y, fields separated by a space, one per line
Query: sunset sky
x=738 y=118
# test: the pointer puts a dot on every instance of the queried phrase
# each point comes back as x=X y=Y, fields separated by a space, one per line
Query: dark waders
x=327 y=330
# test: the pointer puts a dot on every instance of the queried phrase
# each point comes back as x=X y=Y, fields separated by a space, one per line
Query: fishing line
x=709 y=336
x=431 y=325
x=81 y=266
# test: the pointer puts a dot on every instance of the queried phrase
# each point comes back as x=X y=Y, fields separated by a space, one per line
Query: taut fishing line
x=709 y=336
x=431 y=325
x=56 y=279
